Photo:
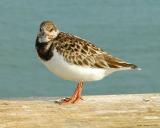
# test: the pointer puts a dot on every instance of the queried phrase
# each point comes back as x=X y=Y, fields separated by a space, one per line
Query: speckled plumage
x=81 y=52
x=73 y=58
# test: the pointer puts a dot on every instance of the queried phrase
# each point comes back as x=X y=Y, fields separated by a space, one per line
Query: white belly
x=67 y=71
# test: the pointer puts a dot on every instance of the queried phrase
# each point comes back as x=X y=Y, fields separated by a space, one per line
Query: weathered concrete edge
x=89 y=97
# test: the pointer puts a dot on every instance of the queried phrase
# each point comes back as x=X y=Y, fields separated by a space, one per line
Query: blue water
x=129 y=29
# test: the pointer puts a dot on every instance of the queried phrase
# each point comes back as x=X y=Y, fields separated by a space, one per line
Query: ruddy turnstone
x=76 y=59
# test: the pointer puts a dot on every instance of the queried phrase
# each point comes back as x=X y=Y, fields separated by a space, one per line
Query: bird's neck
x=44 y=49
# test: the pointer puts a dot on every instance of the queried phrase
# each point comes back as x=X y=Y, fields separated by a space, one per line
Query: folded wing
x=81 y=52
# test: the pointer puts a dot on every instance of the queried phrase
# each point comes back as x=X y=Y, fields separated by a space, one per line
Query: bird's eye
x=40 y=29
x=51 y=30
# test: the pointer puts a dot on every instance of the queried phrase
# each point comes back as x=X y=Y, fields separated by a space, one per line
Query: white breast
x=68 y=71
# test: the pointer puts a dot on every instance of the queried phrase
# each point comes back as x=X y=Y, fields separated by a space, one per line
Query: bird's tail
x=133 y=66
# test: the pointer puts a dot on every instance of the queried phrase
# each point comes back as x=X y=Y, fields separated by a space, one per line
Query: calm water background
x=129 y=29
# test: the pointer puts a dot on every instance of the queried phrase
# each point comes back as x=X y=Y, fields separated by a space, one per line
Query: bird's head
x=47 y=31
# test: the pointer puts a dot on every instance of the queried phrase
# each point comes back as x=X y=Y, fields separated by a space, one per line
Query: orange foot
x=75 y=97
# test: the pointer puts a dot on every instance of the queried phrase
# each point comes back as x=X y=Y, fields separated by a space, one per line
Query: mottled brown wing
x=81 y=52
x=114 y=62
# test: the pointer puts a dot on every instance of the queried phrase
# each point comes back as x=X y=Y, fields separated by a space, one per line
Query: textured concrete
x=107 y=111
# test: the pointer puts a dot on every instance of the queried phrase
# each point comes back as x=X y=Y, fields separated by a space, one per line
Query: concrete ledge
x=107 y=111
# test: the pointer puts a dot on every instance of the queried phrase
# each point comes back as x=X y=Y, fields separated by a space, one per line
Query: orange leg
x=75 y=97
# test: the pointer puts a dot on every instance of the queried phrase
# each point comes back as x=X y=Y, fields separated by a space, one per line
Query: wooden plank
x=107 y=111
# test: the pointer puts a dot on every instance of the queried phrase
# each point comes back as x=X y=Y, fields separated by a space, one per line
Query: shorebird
x=73 y=58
